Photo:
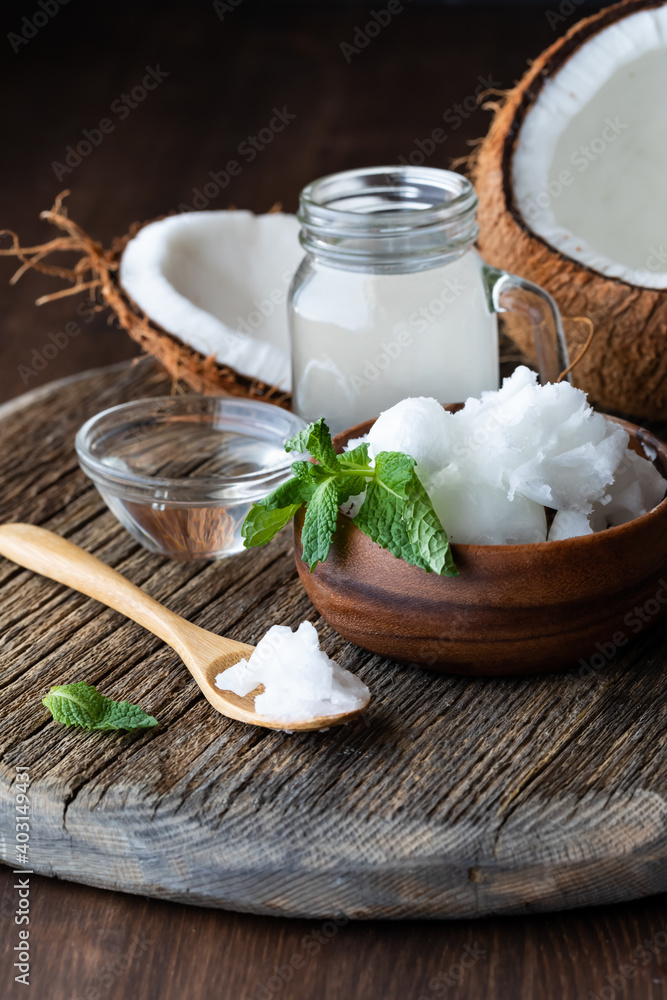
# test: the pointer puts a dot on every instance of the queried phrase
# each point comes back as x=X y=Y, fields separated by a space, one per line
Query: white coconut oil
x=393 y=300
x=300 y=681
x=362 y=341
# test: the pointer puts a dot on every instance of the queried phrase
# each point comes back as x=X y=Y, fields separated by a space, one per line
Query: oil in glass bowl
x=181 y=473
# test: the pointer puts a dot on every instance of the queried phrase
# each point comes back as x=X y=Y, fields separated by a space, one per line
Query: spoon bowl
x=203 y=653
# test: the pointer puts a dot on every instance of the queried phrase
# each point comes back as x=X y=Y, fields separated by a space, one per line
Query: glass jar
x=392 y=299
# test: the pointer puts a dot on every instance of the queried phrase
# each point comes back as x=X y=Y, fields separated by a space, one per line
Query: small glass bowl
x=181 y=472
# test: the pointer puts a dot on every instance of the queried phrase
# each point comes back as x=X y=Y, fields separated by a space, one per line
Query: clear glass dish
x=181 y=472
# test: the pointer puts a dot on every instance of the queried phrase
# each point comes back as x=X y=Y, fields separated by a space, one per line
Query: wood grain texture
x=87 y=940
x=450 y=797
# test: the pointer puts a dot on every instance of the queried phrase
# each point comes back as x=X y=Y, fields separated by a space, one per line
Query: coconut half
x=218 y=283
x=573 y=195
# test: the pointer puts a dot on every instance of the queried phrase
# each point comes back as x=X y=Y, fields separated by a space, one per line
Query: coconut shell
x=625 y=367
x=184 y=363
x=96 y=272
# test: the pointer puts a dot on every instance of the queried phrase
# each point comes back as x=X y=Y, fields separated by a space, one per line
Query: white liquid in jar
x=362 y=341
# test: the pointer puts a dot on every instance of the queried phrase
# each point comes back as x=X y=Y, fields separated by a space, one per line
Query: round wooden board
x=450 y=798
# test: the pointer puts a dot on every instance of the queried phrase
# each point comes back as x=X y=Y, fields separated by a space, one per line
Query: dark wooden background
x=224 y=79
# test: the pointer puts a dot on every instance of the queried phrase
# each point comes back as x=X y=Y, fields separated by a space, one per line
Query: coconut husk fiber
x=96 y=273
x=625 y=368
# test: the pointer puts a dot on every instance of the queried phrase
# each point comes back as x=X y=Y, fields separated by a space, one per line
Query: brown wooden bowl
x=514 y=609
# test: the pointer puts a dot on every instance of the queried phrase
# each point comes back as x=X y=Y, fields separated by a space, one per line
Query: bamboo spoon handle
x=50 y=555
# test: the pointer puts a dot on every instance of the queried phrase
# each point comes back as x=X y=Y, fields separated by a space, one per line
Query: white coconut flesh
x=218 y=281
x=589 y=170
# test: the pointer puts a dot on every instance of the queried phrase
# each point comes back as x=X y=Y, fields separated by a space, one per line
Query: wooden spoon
x=204 y=654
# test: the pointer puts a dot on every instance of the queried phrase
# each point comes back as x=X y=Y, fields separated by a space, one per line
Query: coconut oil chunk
x=300 y=681
x=494 y=468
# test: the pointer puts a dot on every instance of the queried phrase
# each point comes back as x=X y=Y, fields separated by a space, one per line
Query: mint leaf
x=425 y=532
x=393 y=471
x=398 y=514
x=262 y=524
x=289 y=493
x=314 y=475
x=265 y=518
x=319 y=524
x=396 y=511
x=123 y=715
x=351 y=486
x=75 y=704
x=356 y=457
x=82 y=705
x=381 y=514
x=355 y=461
x=303 y=471
x=316 y=439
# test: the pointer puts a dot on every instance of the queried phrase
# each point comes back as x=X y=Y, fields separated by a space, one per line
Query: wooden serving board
x=451 y=798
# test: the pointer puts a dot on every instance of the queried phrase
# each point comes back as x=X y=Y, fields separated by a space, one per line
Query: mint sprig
x=397 y=512
x=81 y=704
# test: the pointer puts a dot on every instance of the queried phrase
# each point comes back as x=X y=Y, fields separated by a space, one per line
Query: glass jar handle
x=510 y=293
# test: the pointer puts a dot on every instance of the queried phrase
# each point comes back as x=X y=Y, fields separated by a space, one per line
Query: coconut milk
x=363 y=341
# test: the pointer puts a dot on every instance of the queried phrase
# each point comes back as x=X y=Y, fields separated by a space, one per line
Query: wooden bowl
x=514 y=609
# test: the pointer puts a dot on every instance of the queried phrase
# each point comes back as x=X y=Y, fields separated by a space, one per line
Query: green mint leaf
x=351 y=486
x=398 y=514
x=319 y=524
x=356 y=457
x=381 y=514
x=82 y=705
x=123 y=715
x=262 y=523
x=380 y=517
x=294 y=491
x=425 y=532
x=356 y=460
x=316 y=439
x=311 y=476
x=393 y=471
x=304 y=471
x=75 y=704
x=265 y=518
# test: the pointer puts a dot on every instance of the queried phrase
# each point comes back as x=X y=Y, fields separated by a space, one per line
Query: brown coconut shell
x=96 y=272
x=625 y=367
